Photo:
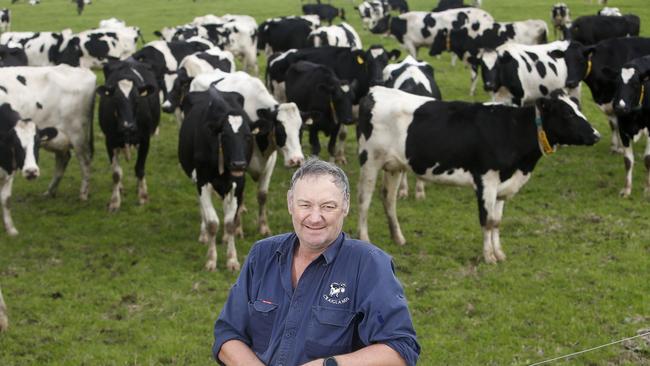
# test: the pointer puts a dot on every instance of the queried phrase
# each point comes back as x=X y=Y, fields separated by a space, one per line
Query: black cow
x=129 y=113
x=632 y=106
x=591 y=29
x=5 y=20
x=282 y=34
x=324 y=11
x=365 y=67
x=449 y=4
x=325 y=99
x=599 y=67
x=214 y=147
x=12 y=56
x=492 y=148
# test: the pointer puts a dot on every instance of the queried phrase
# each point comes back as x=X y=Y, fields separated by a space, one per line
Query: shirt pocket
x=262 y=317
x=330 y=332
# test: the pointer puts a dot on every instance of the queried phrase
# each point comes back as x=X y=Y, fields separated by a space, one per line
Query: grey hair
x=317 y=167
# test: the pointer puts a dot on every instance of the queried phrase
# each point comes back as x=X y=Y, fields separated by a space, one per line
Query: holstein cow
x=94 y=48
x=4 y=319
x=12 y=56
x=610 y=12
x=214 y=147
x=520 y=74
x=460 y=143
x=599 y=67
x=41 y=48
x=129 y=113
x=61 y=97
x=400 y=5
x=365 y=67
x=561 y=18
x=340 y=35
x=414 y=77
x=324 y=11
x=326 y=100
x=371 y=12
x=277 y=128
x=19 y=143
x=591 y=29
x=449 y=4
x=5 y=20
x=632 y=105
x=282 y=34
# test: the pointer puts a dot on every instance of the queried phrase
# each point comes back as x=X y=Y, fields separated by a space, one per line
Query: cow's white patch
x=573 y=105
x=336 y=294
x=490 y=59
x=282 y=56
x=138 y=75
x=376 y=52
x=345 y=88
x=626 y=74
x=125 y=87
x=508 y=188
x=235 y=122
x=456 y=176
x=26 y=132
x=621 y=103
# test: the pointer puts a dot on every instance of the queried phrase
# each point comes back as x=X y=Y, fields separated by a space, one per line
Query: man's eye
x=329 y=207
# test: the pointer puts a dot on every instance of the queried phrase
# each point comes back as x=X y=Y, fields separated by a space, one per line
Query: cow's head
x=578 y=62
x=631 y=89
x=372 y=13
x=375 y=60
x=491 y=66
x=560 y=14
x=70 y=51
x=283 y=123
x=340 y=97
x=20 y=140
x=397 y=27
x=563 y=121
x=178 y=91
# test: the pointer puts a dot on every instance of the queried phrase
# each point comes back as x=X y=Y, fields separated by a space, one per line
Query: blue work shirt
x=346 y=299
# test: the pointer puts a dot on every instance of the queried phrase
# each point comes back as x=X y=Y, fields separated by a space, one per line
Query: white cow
x=41 y=48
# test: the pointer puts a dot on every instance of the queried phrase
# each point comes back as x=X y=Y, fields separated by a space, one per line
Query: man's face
x=317 y=208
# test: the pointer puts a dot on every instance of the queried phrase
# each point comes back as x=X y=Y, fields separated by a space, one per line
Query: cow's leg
x=262 y=192
x=496 y=239
x=230 y=225
x=412 y=50
x=474 y=77
x=210 y=220
x=389 y=198
x=4 y=320
x=486 y=194
x=313 y=140
x=628 y=159
x=116 y=197
x=143 y=151
x=403 y=191
x=454 y=58
x=84 y=156
x=5 y=196
x=339 y=154
x=332 y=144
x=61 y=160
x=367 y=181
x=646 y=160
x=420 y=194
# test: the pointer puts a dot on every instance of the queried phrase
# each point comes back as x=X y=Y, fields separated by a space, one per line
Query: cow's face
x=232 y=135
x=376 y=59
x=578 y=60
x=383 y=25
x=560 y=14
x=286 y=122
x=629 y=92
x=180 y=87
x=398 y=28
x=563 y=121
x=490 y=71
x=341 y=98
x=70 y=52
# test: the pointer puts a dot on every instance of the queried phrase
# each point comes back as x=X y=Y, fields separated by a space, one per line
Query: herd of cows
x=321 y=78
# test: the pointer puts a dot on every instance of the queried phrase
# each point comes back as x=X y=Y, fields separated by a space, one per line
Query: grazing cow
x=282 y=34
x=93 y=48
x=591 y=29
x=277 y=126
x=129 y=113
x=112 y=23
x=599 y=67
x=41 y=48
x=492 y=148
x=326 y=100
x=371 y=11
x=610 y=12
x=19 y=143
x=561 y=19
x=5 y=20
x=324 y=11
x=4 y=319
x=214 y=147
x=365 y=67
x=61 y=97
x=449 y=4
x=632 y=106
x=400 y=5
x=520 y=74
x=12 y=56
x=341 y=35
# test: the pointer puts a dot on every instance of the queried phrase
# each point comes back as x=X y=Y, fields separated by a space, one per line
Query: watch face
x=331 y=361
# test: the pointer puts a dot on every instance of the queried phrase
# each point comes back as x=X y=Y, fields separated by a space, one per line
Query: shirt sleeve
x=233 y=319
x=386 y=316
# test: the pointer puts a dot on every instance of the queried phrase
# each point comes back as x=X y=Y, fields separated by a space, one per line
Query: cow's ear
x=588 y=51
x=306 y=118
x=104 y=90
x=506 y=58
x=394 y=54
x=146 y=90
x=261 y=127
x=609 y=73
x=267 y=114
x=157 y=34
x=47 y=133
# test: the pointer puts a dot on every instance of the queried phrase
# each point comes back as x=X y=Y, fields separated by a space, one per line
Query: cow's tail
x=543 y=38
x=91 y=138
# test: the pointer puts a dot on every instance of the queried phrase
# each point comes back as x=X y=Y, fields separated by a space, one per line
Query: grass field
x=85 y=287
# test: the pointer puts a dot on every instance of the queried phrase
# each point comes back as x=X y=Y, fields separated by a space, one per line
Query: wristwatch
x=330 y=361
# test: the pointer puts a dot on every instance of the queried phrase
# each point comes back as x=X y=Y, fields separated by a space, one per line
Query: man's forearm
x=375 y=355
x=236 y=352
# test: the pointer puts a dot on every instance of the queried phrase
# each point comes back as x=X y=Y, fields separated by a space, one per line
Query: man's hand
x=235 y=352
x=375 y=354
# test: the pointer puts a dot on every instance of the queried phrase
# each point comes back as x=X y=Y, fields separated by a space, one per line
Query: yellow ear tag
x=359 y=60
x=588 y=68
x=543 y=142
x=642 y=94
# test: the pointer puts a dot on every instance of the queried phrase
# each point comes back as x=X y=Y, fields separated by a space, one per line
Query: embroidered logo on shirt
x=337 y=293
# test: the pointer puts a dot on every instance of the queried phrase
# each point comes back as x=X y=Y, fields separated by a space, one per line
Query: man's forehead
x=322 y=186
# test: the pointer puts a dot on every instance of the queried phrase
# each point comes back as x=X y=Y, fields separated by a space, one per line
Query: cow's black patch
x=363 y=157
x=42 y=48
x=541 y=69
x=532 y=56
x=553 y=68
x=543 y=90
x=476 y=26
x=528 y=67
x=21 y=79
x=39 y=105
x=3 y=88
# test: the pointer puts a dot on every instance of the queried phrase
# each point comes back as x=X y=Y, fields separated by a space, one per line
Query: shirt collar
x=329 y=254
x=333 y=250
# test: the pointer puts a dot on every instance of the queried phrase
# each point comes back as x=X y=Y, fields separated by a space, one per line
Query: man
x=316 y=297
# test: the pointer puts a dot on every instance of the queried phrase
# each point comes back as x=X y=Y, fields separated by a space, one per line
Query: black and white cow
x=610 y=12
x=340 y=35
x=591 y=29
x=632 y=106
x=5 y=20
x=460 y=143
x=371 y=11
x=214 y=147
x=324 y=11
x=560 y=18
x=129 y=113
x=283 y=34
x=19 y=143
x=277 y=127
x=4 y=319
x=520 y=74
x=449 y=4
x=399 y=5
x=61 y=97
x=41 y=48
x=12 y=56
x=326 y=100
x=599 y=67
x=365 y=67
x=93 y=48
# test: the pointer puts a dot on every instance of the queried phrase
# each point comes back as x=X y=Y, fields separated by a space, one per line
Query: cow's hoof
x=625 y=192
x=490 y=258
x=232 y=265
x=242 y=208
x=265 y=230
x=49 y=194
x=143 y=199
x=12 y=231
x=83 y=197
x=211 y=265
x=113 y=207
x=4 y=323
x=616 y=150
x=239 y=232
x=399 y=240
x=341 y=160
x=420 y=196
x=500 y=255
x=402 y=194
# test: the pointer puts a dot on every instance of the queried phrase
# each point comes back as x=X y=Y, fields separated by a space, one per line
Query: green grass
x=85 y=287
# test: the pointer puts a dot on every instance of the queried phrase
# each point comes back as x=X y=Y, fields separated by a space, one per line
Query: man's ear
x=289 y=198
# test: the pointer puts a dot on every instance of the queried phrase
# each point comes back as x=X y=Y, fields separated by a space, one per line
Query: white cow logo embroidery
x=336 y=289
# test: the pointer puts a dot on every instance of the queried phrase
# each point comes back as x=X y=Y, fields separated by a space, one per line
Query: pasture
x=87 y=287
